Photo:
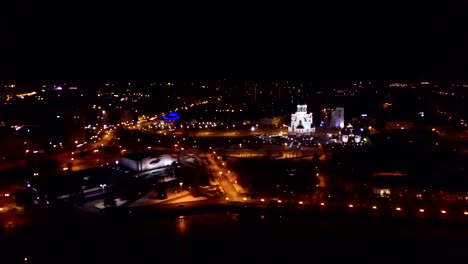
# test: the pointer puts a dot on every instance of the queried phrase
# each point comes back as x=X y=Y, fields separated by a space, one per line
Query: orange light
x=351 y=206
x=443 y=211
x=374 y=207
x=322 y=204
x=279 y=201
x=465 y=213
x=421 y=210
x=398 y=209
x=301 y=202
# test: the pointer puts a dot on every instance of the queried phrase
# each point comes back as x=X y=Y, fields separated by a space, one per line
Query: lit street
x=225 y=182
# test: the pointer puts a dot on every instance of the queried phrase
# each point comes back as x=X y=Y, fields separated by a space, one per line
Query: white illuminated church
x=301 y=122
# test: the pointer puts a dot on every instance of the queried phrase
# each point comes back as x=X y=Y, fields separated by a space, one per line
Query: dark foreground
x=234 y=237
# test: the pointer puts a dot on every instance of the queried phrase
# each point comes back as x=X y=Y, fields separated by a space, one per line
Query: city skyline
x=142 y=131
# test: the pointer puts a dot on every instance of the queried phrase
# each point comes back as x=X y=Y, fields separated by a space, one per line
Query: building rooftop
x=138 y=156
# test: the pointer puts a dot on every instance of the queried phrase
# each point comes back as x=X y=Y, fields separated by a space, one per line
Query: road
x=64 y=158
x=347 y=207
x=224 y=180
x=12 y=164
x=94 y=159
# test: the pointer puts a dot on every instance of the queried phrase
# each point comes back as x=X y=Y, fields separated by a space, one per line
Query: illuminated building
x=351 y=136
x=144 y=161
x=301 y=122
x=337 y=118
x=171 y=117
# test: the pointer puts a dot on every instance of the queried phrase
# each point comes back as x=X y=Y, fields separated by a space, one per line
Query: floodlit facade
x=337 y=118
x=146 y=161
x=301 y=122
x=350 y=136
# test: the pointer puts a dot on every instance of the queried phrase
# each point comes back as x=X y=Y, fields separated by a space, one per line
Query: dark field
x=234 y=237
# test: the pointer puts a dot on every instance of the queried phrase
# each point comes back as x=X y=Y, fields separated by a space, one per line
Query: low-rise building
x=144 y=161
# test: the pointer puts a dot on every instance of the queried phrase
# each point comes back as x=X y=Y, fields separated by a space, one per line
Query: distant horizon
x=72 y=82
x=277 y=75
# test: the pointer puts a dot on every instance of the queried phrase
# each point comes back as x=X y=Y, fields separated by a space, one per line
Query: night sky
x=245 y=39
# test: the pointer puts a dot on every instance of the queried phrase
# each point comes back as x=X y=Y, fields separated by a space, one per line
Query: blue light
x=171 y=117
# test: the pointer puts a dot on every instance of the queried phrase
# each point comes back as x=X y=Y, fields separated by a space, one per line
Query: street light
x=181 y=184
x=102 y=186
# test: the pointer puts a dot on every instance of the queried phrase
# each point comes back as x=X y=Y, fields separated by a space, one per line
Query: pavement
x=187 y=199
x=146 y=200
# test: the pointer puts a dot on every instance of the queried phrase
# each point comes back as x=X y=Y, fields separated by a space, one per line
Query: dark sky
x=83 y=39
